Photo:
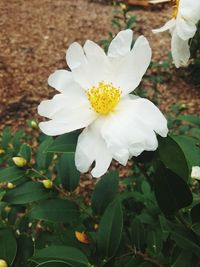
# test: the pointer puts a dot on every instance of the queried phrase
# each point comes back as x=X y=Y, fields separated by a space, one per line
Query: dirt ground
x=35 y=35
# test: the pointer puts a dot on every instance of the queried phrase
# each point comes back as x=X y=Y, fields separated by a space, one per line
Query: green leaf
x=54 y=263
x=55 y=210
x=105 y=191
x=43 y=159
x=171 y=191
x=110 y=229
x=195 y=213
x=65 y=143
x=130 y=22
x=173 y=157
x=25 y=250
x=8 y=246
x=184 y=259
x=67 y=172
x=11 y=174
x=25 y=151
x=190 y=149
x=184 y=241
x=189 y=118
x=137 y=234
x=154 y=242
x=67 y=254
x=26 y=193
x=6 y=137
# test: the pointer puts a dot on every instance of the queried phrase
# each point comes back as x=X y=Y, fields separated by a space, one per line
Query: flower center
x=175 y=8
x=104 y=97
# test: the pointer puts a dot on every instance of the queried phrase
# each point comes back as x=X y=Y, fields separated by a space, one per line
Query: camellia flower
x=95 y=95
x=182 y=27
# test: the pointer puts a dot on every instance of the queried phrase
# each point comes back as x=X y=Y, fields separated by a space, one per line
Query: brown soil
x=35 y=35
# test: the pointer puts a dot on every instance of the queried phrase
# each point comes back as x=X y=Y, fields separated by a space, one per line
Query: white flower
x=95 y=95
x=195 y=172
x=182 y=27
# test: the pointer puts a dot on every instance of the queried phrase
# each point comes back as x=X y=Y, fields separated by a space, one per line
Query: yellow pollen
x=175 y=7
x=104 y=97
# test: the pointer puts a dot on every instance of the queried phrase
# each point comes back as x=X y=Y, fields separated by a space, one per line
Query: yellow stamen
x=175 y=7
x=104 y=97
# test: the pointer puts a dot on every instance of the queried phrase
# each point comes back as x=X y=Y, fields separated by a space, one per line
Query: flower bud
x=47 y=183
x=10 y=185
x=19 y=161
x=195 y=172
x=34 y=124
x=2 y=152
x=7 y=209
x=96 y=226
x=3 y=263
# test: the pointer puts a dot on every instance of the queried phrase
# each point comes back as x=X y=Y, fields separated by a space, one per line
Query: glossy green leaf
x=26 y=193
x=105 y=191
x=25 y=248
x=65 y=143
x=54 y=263
x=67 y=172
x=189 y=118
x=190 y=149
x=67 y=254
x=184 y=241
x=171 y=191
x=110 y=229
x=6 y=137
x=184 y=259
x=137 y=234
x=8 y=246
x=11 y=174
x=195 y=213
x=43 y=159
x=25 y=151
x=173 y=157
x=55 y=210
x=154 y=242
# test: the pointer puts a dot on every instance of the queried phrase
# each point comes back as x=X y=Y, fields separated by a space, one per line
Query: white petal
x=63 y=81
x=185 y=29
x=190 y=10
x=91 y=147
x=168 y=25
x=121 y=44
x=131 y=128
x=64 y=122
x=93 y=50
x=48 y=108
x=129 y=70
x=180 y=50
x=75 y=56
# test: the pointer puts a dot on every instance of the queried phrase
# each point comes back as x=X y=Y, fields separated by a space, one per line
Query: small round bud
x=7 y=209
x=96 y=226
x=3 y=263
x=123 y=6
x=2 y=151
x=10 y=185
x=19 y=161
x=34 y=124
x=47 y=183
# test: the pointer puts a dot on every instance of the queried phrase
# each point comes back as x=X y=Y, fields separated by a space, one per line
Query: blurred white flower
x=182 y=28
x=95 y=95
x=195 y=174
